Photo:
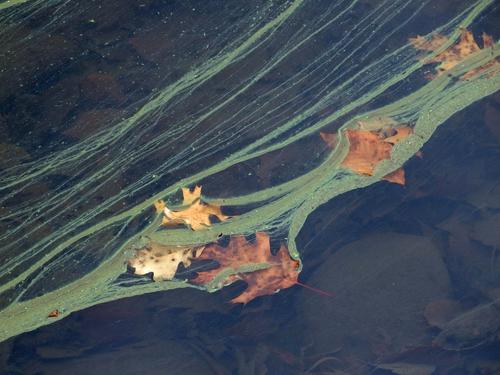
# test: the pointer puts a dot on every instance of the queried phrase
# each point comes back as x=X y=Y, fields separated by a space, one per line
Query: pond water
x=355 y=144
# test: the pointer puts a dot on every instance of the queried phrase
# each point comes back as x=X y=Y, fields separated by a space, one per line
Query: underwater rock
x=152 y=357
x=471 y=329
x=491 y=115
x=439 y=312
x=487 y=230
x=402 y=368
x=382 y=284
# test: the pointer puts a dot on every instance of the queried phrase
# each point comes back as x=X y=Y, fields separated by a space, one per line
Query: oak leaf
x=282 y=271
x=367 y=148
x=162 y=260
x=194 y=212
x=190 y=196
x=454 y=54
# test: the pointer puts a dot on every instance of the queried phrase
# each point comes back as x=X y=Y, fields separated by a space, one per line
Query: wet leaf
x=456 y=53
x=162 y=260
x=189 y=196
x=194 y=213
x=367 y=148
x=282 y=271
x=436 y=41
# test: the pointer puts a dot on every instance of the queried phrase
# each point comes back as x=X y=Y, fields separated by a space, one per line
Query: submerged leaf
x=366 y=150
x=282 y=271
x=456 y=53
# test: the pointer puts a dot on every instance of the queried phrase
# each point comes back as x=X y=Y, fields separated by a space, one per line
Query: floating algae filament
x=274 y=79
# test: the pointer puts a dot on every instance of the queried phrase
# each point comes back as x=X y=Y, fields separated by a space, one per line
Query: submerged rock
x=438 y=313
x=471 y=329
x=382 y=284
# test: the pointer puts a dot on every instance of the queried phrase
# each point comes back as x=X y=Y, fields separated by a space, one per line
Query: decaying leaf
x=282 y=271
x=432 y=44
x=194 y=212
x=454 y=54
x=367 y=148
x=162 y=260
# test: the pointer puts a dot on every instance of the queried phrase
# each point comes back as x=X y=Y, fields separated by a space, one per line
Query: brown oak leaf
x=194 y=212
x=367 y=148
x=162 y=260
x=454 y=54
x=282 y=271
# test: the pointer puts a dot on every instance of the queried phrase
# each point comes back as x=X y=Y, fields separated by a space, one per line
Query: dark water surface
x=414 y=270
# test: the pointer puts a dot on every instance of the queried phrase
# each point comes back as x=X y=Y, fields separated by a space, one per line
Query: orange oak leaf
x=194 y=212
x=159 y=206
x=454 y=54
x=367 y=148
x=432 y=44
x=282 y=271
